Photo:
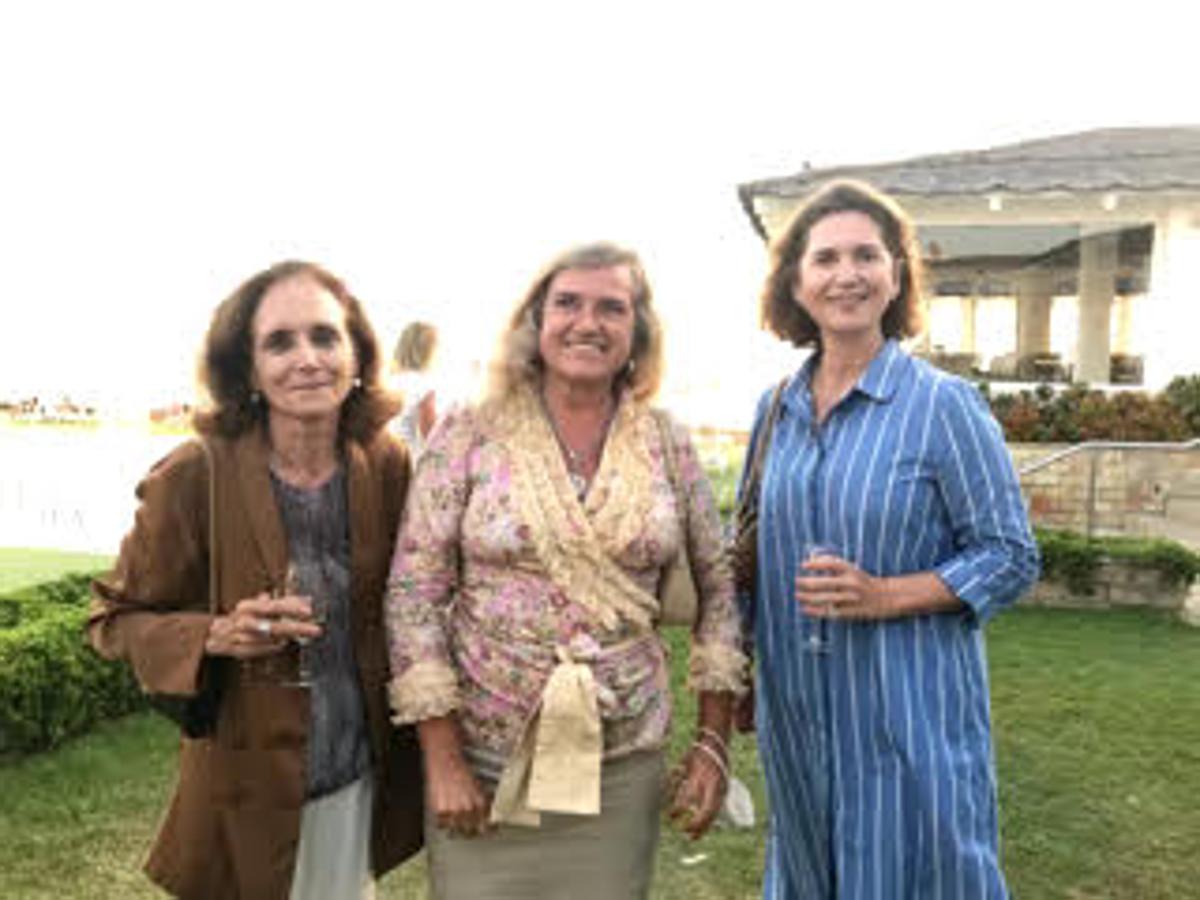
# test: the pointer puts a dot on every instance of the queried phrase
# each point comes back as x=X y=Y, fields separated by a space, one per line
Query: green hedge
x=1184 y=394
x=26 y=604
x=1073 y=559
x=52 y=685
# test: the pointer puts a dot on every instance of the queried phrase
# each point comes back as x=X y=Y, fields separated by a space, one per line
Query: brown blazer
x=233 y=825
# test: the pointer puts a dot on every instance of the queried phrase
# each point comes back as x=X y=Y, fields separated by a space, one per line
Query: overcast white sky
x=154 y=154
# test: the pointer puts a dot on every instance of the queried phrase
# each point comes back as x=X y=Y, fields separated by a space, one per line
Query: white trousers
x=334 y=857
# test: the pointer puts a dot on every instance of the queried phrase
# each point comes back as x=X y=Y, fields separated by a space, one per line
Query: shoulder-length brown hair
x=227 y=360
x=518 y=360
x=779 y=310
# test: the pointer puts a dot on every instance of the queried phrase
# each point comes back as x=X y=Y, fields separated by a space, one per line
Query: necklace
x=580 y=461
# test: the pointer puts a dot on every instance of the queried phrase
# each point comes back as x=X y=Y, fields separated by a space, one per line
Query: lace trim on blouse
x=576 y=540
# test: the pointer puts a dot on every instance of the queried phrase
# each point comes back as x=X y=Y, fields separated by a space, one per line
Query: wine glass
x=818 y=633
x=292 y=586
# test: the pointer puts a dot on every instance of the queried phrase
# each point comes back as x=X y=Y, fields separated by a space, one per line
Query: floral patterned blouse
x=499 y=567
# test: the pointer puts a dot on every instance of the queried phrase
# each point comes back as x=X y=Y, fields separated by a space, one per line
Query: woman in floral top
x=522 y=606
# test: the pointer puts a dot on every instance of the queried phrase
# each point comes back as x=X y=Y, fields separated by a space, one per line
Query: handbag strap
x=759 y=451
x=212 y=525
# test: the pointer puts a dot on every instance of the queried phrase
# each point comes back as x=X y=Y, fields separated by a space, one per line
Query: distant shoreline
x=14 y=422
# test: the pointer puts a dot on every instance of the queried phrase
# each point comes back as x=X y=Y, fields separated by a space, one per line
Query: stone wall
x=1139 y=493
x=1117 y=585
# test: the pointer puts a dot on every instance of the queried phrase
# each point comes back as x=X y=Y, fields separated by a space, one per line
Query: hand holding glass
x=293 y=588
x=817 y=641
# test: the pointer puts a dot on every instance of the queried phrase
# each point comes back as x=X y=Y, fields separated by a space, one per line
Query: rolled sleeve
x=153 y=608
x=426 y=690
x=997 y=558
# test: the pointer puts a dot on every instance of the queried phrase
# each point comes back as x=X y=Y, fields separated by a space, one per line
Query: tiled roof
x=1134 y=159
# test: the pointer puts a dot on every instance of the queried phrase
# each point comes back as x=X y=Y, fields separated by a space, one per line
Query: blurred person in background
x=413 y=358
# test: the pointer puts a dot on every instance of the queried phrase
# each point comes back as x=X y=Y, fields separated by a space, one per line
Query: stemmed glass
x=306 y=651
x=818 y=635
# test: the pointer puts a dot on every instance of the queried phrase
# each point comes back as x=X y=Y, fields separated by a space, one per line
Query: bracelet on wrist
x=712 y=754
x=703 y=733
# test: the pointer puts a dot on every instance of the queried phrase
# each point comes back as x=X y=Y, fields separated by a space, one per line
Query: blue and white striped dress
x=878 y=753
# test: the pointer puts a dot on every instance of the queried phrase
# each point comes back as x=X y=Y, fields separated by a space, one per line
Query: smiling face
x=304 y=361
x=846 y=277
x=588 y=320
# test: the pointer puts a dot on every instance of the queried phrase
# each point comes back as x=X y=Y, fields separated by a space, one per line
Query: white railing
x=1092 y=446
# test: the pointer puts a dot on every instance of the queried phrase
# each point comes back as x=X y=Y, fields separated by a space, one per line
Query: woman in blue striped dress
x=872 y=703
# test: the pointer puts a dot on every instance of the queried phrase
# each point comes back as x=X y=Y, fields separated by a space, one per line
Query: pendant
x=579 y=483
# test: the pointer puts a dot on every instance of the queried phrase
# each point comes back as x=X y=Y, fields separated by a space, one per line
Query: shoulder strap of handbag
x=759 y=450
x=672 y=462
x=210 y=457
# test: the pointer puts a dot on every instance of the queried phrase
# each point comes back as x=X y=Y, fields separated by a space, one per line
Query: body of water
x=72 y=488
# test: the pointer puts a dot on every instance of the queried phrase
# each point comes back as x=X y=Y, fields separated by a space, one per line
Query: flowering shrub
x=1184 y=394
x=1078 y=413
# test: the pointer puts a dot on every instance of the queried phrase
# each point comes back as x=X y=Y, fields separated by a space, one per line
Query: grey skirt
x=604 y=857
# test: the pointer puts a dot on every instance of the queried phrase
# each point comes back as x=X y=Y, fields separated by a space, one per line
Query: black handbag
x=196 y=716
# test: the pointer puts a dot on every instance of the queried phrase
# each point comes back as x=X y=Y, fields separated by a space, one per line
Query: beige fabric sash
x=556 y=765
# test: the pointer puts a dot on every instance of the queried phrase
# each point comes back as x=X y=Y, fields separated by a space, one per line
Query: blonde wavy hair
x=414 y=348
x=518 y=360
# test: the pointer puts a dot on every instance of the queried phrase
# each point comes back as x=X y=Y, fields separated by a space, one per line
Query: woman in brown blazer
x=248 y=598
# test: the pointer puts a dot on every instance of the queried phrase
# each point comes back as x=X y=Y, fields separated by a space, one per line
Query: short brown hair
x=227 y=361
x=779 y=310
x=518 y=359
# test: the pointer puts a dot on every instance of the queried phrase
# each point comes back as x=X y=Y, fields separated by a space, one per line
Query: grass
x=1097 y=722
x=76 y=822
x=20 y=566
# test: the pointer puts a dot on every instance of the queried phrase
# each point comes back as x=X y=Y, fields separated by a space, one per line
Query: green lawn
x=1097 y=722
x=1097 y=719
x=76 y=823
x=20 y=566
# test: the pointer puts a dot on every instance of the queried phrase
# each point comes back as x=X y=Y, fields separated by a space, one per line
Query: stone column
x=1173 y=299
x=1097 y=287
x=1122 y=340
x=923 y=343
x=967 y=305
x=1035 y=290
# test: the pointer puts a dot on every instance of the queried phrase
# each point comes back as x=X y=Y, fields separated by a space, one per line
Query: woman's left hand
x=699 y=793
x=837 y=589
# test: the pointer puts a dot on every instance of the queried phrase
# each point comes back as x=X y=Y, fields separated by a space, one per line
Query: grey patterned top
x=317 y=523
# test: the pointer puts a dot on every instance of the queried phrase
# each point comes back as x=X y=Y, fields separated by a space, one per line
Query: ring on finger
x=264 y=627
